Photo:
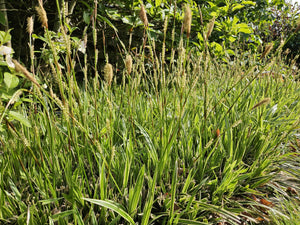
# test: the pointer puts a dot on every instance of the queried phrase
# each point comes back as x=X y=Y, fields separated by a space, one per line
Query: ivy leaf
x=19 y=117
x=11 y=80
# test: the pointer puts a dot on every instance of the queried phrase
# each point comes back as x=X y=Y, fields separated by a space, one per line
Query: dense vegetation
x=162 y=112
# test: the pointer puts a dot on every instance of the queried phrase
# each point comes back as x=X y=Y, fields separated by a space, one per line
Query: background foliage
x=183 y=129
x=247 y=24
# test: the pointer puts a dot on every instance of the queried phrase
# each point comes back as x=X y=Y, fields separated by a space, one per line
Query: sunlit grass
x=143 y=151
x=177 y=139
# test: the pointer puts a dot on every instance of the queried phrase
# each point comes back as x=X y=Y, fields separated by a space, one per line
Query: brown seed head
x=267 y=50
x=42 y=15
x=29 y=28
x=128 y=64
x=187 y=20
x=108 y=73
x=21 y=69
x=262 y=102
x=210 y=27
x=143 y=16
x=201 y=17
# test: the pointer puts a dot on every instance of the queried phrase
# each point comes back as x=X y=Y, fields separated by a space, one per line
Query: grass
x=188 y=142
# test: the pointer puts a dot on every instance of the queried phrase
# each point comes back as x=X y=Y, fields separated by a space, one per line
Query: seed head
x=210 y=27
x=201 y=17
x=21 y=69
x=143 y=16
x=108 y=73
x=29 y=28
x=128 y=64
x=262 y=102
x=267 y=50
x=187 y=20
x=42 y=15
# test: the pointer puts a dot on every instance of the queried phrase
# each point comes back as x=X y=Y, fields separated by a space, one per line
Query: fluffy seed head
x=210 y=27
x=42 y=15
x=267 y=50
x=29 y=28
x=108 y=73
x=128 y=64
x=21 y=69
x=187 y=20
x=143 y=15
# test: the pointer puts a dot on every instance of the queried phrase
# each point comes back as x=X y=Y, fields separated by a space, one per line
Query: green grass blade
x=111 y=205
x=134 y=199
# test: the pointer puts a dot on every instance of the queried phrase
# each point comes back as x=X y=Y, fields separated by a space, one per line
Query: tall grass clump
x=193 y=142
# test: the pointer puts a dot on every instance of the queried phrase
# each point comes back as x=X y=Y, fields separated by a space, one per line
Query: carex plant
x=183 y=139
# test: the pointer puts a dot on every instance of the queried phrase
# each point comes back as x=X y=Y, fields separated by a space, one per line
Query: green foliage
x=183 y=139
x=143 y=151
x=10 y=85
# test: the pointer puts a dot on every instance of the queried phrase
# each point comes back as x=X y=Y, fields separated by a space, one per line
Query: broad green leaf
x=216 y=47
x=248 y=3
x=215 y=14
x=231 y=39
x=157 y=3
x=11 y=80
x=5 y=37
x=19 y=117
x=111 y=205
x=244 y=28
x=237 y=7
